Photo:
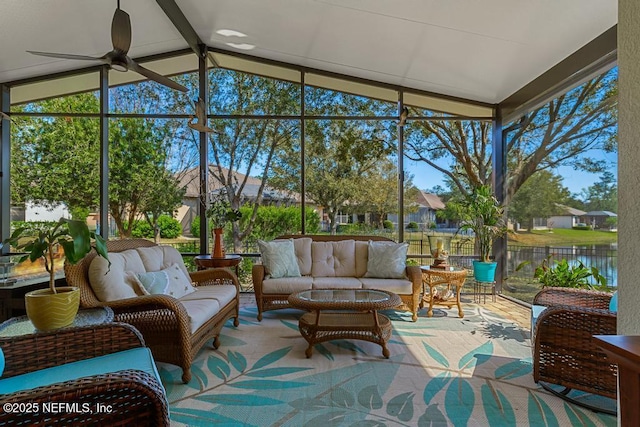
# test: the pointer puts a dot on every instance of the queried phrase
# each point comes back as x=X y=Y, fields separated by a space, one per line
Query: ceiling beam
x=181 y=23
x=594 y=58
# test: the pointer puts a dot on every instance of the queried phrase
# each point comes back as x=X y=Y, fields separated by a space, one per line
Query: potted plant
x=482 y=214
x=53 y=307
x=553 y=273
x=220 y=214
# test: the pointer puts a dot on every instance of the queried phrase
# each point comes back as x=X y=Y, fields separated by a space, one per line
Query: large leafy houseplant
x=563 y=274
x=482 y=214
x=42 y=242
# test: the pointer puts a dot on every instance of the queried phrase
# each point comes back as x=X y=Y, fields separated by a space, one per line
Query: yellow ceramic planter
x=49 y=311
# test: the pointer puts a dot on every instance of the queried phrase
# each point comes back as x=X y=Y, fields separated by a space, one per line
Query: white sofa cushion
x=224 y=294
x=287 y=285
x=387 y=260
x=279 y=258
x=156 y=258
x=199 y=311
x=113 y=283
x=362 y=252
x=331 y=259
x=302 y=249
x=206 y=302
x=397 y=286
x=336 y=283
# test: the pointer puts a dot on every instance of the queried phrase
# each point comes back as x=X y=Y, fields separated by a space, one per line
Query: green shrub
x=387 y=224
x=273 y=221
x=195 y=227
x=141 y=229
x=412 y=225
x=582 y=227
x=170 y=227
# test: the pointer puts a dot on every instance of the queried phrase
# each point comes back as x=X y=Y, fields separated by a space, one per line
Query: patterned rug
x=443 y=370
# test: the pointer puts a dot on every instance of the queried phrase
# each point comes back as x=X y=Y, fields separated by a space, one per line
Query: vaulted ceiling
x=478 y=50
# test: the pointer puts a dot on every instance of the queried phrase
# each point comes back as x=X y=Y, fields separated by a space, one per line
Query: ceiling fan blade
x=67 y=56
x=121 y=31
x=133 y=66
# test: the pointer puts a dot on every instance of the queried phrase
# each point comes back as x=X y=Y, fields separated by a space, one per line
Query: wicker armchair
x=162 y=319
x=564 y=352
x=136 y=397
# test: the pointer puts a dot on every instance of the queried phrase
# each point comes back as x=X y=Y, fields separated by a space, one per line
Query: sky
x=425 y=177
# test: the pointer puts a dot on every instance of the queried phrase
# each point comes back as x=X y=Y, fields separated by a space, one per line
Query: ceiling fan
x=201 y=118
x=117 y=59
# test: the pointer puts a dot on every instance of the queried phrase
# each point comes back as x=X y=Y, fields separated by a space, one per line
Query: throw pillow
x=170 y=281
x=387 y=260
x=154 y=282
x=279 y=258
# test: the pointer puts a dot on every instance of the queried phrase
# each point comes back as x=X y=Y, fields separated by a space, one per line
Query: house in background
x=427 y=205
x=191 y=204
x=566 y=217
x=598 y=219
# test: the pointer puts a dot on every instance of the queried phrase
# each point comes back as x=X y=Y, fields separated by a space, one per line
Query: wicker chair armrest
x=572 y=297
x=135 y=398
x=26 y=353
x=414 y=273
x=258 y=273
x=570 y=325
x=215 y=276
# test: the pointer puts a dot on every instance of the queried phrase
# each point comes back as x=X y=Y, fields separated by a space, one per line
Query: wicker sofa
x=564 y=351
x=104 y=364
x=173 y=328
x=272 y=294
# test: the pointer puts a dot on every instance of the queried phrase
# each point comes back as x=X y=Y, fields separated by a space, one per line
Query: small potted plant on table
x=482 y=214
x=53 y=307
x=220 y=213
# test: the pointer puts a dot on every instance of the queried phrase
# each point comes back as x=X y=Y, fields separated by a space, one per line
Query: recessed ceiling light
x=241 y=46
x=231 y=33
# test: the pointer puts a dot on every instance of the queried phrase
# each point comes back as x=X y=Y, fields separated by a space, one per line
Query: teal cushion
x=279 y=258
x=536 y=311
x=613 y=304
x=137 y=358
x=1 y=362
x=387 y=260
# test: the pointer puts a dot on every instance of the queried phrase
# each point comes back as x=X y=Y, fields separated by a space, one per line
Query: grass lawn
x=561 y=236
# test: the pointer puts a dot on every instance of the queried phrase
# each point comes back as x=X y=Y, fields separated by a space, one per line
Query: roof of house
x=429 y=200
x=601 y=213
x=564 y=210
x=189 y=180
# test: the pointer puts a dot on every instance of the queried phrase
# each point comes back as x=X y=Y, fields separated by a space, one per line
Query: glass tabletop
x=343 y=295
x=437 y=269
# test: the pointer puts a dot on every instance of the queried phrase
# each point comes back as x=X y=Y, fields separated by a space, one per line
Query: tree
x=603 y=194
x=249 y=146
x=379 y=195
x=558 y=133
x=538 y=198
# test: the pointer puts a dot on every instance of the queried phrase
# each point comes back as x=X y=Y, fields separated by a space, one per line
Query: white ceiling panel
x=479 y=50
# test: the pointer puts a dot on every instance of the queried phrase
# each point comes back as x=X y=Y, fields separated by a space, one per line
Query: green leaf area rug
x=443 y=371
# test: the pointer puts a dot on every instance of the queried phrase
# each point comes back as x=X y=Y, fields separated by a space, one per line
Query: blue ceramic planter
x=484 y=271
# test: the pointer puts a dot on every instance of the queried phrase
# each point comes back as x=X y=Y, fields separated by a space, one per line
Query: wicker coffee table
x=345 y=314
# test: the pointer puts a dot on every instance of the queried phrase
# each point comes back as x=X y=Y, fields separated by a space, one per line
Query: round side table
x=207 y=261
x=433 y=277
x=90 y=316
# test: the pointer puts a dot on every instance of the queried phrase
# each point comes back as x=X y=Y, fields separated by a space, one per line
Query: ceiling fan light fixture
x=119 y=65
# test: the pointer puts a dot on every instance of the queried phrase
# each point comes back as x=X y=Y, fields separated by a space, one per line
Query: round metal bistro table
x=344 y=314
